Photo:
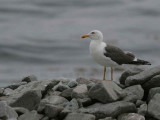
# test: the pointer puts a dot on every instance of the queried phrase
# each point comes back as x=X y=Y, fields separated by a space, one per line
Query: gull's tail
x=140 y=62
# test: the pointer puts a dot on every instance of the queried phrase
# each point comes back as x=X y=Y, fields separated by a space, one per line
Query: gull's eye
x=92 y=32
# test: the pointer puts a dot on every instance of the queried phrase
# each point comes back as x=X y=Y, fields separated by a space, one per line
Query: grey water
x=43 y=37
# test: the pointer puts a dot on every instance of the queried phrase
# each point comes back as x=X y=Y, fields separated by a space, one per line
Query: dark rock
x=72 y=84
x=29 y=79
x=45 y=118
x=109 y=110
x=143 y=109
x=154 y=107
x=85 y=102
x=106 y=91
x=143 y=76
x=139 y=103
x=79 y=116
x=1 y=92
x=6 y=112
x=90 y=85
x=135 y=90
x=154 y=82
x=67 y=93
x=29 y=100
x=80 y=91
x=131 y=116
x=83 y=81
x=152 y=92
x=21 y=110
x=62 y=87
x=130 y=98
x=33 y=115
x=16 y=85
x=128 y=73
x=53 y=100
x=52 y=111
x=108 y=118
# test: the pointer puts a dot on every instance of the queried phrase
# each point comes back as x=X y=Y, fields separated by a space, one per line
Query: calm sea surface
x=42 y=37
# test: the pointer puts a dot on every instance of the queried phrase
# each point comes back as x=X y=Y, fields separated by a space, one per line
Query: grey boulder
x=79 y=116
x=107 y=118
x=143 y=109
x=33 y=115
x=152 y=92
x=83 y=81
x=67 y=93
x=72 y=84
x=131 y=116
x=6 y=112
x=109 y=110
x=21 y=110
x=106 y=91
x=154 y=106
x=80 y=91
x=29 y=79
x=143 y=76
x=135 y=90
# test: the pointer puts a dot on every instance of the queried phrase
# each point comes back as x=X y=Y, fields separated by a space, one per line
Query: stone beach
x=135 y=97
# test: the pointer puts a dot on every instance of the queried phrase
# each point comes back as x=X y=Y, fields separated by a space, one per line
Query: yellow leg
x=104 y=75
x=111 y=74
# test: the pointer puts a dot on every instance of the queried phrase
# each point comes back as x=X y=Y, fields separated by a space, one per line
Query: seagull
x=108 y=55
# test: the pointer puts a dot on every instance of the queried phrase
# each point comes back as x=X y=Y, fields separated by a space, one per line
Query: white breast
x=97 y=52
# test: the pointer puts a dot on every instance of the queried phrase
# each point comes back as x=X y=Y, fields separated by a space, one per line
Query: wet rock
x=108 y=118
x=90 y=85
x=6 y=112
x=53 y=100
x=21 y=110
x=79 y=116
x=135 y=90
x=139 y=103
x=72 y=84
x=143 y=76
x=109 y=110
x=128 y=73
x=80 y=91
x=83 y=81
x=33 y=115
x=154 y=82
x=106 y=91
x=52 y=111
x=143 y=109
x=67 y=93
x=154 y=107
x=130 y=98
x=152 y=92
x=29 y=100
x=16 y=85
x=131 y=116
x=29 y=79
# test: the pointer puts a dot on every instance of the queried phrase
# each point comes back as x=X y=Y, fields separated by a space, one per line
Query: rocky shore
x=135 y=97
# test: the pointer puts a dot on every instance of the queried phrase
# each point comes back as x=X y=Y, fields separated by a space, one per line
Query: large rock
x=33 y=115
x=152 y=92
x=72 y=105
x=106 y=91
x=79 y=116
x=21 y=110
x=72 y=84
x=52 y=100
x=80 y=91
x=143 y=76
x=6 y=112
x=52 y=111
x=143 y=109
x=41 y=86
x=109 y=110
x=67 y=93
x=131 y=116
x=29 y=100
x=83 y=81
x=154 y=106
x=135 y=90
x=29 y=79
x=128 y=73
x=130 y=98
x=154 y=82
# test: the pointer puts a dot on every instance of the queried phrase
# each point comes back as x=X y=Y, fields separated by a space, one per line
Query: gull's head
x=94 y=35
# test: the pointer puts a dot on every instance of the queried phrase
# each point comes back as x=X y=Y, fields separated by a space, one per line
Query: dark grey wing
x=118 y=56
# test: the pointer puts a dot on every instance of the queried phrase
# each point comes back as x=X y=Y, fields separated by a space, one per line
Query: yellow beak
x=84 y=36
